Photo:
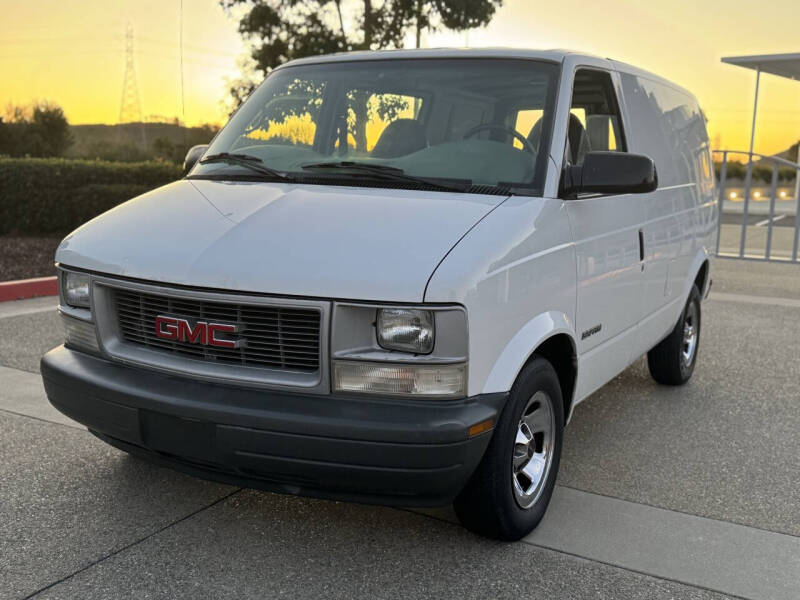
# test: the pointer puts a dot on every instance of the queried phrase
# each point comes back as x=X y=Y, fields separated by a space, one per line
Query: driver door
x=606 y=232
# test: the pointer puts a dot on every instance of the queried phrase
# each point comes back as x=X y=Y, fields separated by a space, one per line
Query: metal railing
x=787 y=206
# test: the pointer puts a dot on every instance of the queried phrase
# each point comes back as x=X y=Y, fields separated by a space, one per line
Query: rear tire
x=509 y=492
x=672 y=361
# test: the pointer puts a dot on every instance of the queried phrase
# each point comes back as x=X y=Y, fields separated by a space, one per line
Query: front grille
x=271 y=337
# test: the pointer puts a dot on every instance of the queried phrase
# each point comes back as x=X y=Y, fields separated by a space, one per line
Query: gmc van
x=393 y=276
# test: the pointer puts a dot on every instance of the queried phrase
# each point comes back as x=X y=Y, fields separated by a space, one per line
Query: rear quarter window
x=667 y=125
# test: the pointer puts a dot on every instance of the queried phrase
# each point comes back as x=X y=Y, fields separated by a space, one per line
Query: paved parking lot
x=663 y=493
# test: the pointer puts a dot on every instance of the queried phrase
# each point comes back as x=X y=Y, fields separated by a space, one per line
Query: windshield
x=477 y=122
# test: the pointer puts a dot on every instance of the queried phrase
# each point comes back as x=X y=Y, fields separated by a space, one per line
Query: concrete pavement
x=664 y=492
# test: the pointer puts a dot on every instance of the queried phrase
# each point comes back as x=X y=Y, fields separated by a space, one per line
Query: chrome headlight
x=76 y=315
x=406 y=330
x=399 y=351
x=76 y=289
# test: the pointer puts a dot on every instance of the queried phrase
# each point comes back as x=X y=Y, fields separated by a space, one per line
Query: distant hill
x=790 y=153
x=137 y=141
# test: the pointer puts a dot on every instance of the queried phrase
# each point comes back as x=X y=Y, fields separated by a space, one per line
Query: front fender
x=520 y=348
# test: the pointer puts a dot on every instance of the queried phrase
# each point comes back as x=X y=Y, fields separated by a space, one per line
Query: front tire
x=509 y=492
x=672 y=361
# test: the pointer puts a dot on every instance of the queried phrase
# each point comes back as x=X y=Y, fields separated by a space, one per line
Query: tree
x=164 y=149
x=282 y=30
x=39 y=130
x=49 y=130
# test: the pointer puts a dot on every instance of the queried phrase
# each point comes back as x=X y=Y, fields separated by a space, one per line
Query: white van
x=392 y=276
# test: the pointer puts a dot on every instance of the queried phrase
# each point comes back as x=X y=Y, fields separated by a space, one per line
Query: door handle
x=641 y=247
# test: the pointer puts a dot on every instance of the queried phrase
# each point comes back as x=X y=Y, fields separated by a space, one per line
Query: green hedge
x=54 y=195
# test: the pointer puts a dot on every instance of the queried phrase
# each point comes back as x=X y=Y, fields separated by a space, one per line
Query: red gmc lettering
x=181 y=330
x=213 y=328
x=167 y=328
x=198 y=335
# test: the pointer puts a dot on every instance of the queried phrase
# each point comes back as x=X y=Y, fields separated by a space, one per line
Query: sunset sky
x=72 y=52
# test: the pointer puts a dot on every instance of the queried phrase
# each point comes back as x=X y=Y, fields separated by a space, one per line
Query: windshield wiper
x=387 y=172
x=248 y=161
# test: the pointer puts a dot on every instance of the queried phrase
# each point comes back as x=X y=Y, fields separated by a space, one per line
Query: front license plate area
x=177 y=436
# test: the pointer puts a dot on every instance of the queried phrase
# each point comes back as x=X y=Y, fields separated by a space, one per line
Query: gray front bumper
x=397 y=452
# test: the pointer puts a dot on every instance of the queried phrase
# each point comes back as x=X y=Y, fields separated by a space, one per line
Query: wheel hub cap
x=689 y=335
x=533 y=450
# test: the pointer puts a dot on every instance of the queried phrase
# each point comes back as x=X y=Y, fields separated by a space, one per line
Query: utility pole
x=797 y=179
x=130 y=110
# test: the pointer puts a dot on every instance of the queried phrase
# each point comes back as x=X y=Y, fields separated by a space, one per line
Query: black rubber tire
x=487 y=505
x=665 y=360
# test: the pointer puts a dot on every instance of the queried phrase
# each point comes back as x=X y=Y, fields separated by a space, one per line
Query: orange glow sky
x=72 y=52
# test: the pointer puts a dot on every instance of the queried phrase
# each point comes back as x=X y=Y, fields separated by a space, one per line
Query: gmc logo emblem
x=202 y=332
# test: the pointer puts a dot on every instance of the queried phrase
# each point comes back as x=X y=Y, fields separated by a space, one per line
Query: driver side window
x=594 y=121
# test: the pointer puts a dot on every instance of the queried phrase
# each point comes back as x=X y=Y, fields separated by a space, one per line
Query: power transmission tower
x=130 y=110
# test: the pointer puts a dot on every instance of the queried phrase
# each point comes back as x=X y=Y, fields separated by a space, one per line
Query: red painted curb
x=28 y=288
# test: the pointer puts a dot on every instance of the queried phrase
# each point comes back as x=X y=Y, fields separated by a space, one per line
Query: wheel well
x=700 y=280
x=560 y=352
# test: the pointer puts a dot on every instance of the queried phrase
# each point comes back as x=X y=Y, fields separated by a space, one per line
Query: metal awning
x=783 y=65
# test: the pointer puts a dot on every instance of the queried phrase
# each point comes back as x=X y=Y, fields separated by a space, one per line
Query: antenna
x=183 y=101
x=130 y=110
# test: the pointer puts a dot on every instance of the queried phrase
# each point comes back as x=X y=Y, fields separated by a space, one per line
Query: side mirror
x=610 y=173
x=192 y=156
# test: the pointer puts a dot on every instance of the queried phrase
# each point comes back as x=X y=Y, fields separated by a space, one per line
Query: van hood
x=276 y=238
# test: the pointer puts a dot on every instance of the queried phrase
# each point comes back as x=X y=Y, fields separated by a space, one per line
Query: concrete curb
x=28 y=288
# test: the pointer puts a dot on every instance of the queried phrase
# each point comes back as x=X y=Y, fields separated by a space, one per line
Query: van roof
x=553 y=55
x=549 y=55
